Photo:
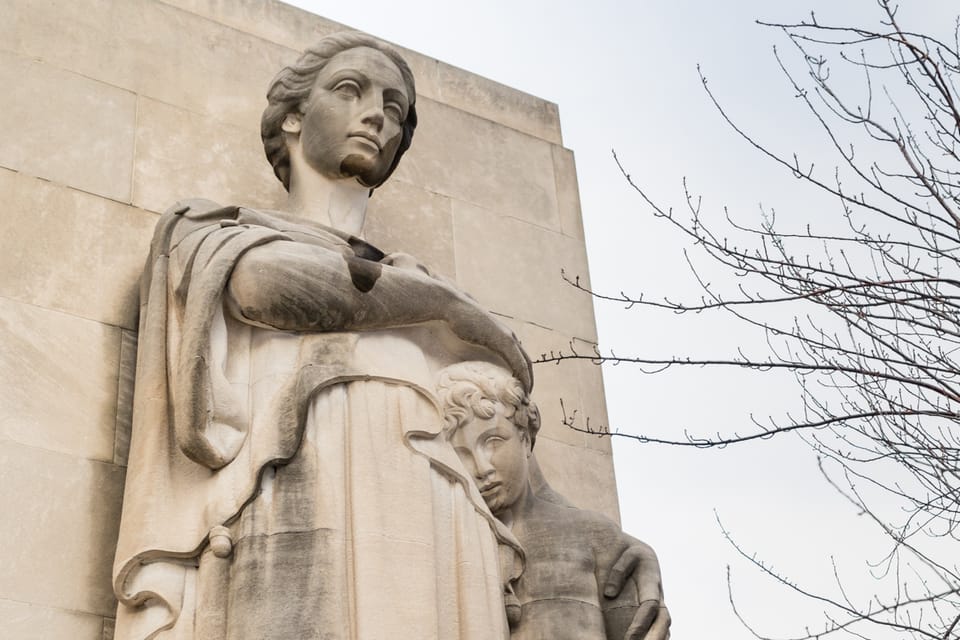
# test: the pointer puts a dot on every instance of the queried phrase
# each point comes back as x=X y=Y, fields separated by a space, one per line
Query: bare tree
x=870 y=320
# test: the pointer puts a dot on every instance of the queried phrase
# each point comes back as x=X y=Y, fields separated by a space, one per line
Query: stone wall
x=114 y=109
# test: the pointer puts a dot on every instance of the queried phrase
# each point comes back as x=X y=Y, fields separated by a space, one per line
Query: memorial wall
x=114 y=110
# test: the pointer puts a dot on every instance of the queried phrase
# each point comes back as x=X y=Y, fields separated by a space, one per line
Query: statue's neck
x=338 y=203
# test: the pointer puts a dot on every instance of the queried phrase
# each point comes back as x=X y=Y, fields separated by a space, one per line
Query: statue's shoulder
x=197 y=211
x=188 y=216
x=191 y=220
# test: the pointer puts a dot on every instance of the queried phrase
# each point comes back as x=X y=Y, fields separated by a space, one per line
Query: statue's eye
x=494 y=441
x=347 y=88
x=393 y=111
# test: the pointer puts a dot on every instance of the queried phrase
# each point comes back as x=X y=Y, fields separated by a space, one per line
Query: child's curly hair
x=474 y=388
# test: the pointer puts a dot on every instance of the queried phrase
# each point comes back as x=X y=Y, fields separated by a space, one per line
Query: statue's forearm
x=292 y=286
x=298 y=287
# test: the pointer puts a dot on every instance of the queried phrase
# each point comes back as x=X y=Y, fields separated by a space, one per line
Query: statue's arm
x=295 y=286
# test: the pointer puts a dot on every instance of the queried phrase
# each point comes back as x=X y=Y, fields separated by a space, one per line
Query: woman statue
x=287 y=474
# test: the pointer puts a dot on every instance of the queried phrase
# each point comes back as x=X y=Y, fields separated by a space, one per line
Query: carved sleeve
x=294 y=286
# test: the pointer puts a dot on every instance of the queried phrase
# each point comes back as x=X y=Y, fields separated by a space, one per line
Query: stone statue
x=564 y=591
x=288 y=475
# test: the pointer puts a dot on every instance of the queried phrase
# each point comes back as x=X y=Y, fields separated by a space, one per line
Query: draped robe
x=305 y=441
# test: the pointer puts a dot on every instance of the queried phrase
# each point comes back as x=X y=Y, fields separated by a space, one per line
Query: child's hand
x=639 y=562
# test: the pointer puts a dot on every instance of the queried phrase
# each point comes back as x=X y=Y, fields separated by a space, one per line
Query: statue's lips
x=363 y=135
x=489 y=488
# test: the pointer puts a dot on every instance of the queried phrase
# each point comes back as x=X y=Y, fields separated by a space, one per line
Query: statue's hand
x=474 y=324
x=517 y=359
x=652 y=622
x=470 y=321
x=652 y=619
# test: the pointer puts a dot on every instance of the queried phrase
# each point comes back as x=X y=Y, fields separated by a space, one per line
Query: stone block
x=521 y=278
x=59 y=528
x=583 y=476
x=297 y=29
x=181 y=154
x=568 y=192
x=71 y=251
x=406 y=218
x=593 y=404
x=477 y=161
x=426 y=73
x=58 y=375
x=168 y=54
x=66 y=128
x=22 y=621
x=578 y=383
x=494 y=101
x=552 y=383
x=557 y=395
x=271 y=20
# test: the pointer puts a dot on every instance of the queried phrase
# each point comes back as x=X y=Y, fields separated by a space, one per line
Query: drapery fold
x=221 y=404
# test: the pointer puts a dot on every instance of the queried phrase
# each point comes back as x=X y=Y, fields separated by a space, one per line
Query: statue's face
x=495 y=452
x=351 y=123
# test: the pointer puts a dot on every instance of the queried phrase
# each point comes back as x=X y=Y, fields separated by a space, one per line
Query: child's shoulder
x=590 y=527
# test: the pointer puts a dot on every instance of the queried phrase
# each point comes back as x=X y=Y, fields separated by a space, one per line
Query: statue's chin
x=366 y=171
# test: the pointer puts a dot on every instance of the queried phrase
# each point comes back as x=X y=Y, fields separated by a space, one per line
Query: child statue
x=569 y=552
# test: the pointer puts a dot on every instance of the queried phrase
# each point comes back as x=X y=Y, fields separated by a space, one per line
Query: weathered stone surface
x=574 y=382
x=494 y=101
x=71 y=251
x=59 y=530
x=540 y=295
x=474 y=160
x=167 y=53
x=288 y=334
x=568 y=193
x=58 y=375
x=294 y=28
x=65 y=127
x=568 y=553
x=554 y=385
x=399 y=213
x=268 y=19
x=297 y=29
x=592 y=401
x=181 y=154
x=162 y=99
x=551 y=382
x=22 y=621
x=583 y=476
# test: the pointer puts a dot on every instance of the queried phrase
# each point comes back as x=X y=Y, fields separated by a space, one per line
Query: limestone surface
x=117 y=110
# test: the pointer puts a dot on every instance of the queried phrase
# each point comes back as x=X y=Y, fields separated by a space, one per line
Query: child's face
x=495 y=452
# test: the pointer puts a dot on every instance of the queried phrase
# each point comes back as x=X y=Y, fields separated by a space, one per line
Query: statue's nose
x=483 y=467
x=373 y=116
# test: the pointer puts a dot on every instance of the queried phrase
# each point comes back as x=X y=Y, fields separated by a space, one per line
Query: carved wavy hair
x=291 y=87
x=474 y=388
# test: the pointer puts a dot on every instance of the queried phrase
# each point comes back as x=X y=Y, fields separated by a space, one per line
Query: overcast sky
x=624 y=75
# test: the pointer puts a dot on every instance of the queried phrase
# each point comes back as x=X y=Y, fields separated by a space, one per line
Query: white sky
x=624 y=76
